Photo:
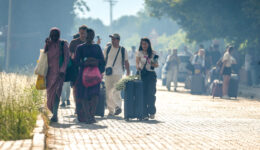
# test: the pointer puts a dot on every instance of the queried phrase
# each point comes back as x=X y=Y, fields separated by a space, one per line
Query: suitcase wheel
x=140 y=119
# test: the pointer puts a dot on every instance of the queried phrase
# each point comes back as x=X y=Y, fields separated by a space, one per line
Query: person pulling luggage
x=226 y=71
x=146 y=62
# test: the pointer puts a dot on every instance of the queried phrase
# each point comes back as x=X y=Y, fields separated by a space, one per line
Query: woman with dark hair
x=58 y=57
x=227 y=61
x=146 y=61
x=88 y=55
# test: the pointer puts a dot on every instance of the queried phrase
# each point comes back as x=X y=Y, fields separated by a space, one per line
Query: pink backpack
x=91 y=76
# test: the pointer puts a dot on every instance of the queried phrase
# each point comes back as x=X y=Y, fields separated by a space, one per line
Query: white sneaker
x=152 y=116
x=226 y=97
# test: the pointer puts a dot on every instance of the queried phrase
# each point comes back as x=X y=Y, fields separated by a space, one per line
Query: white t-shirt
x=118 y=68
x=140 y=54
x=230 y=60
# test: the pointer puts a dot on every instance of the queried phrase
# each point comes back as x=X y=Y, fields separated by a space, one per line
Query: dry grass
x=19 y=106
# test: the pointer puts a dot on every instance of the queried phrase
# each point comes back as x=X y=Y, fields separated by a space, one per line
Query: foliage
x=121 y=84
x=234 y=20
x=177 y=40
x=31 y=21
x=130 y=28
x=19 y=106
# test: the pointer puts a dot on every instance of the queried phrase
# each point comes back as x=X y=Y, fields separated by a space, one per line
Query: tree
x=234 y=20
x=31 y=22
x=130 y=28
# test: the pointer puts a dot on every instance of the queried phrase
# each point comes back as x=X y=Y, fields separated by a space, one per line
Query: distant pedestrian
x=215 y=54
x=173 y=62
x=198 y=61
x=56 y=70
x=132 y=60
x=146 y=62
x=65 y=94
x=226 y=71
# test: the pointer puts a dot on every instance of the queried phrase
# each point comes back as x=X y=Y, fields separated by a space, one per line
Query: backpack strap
x=61 y=60
x=123 y=58
x=108 y=50
x=122 y=53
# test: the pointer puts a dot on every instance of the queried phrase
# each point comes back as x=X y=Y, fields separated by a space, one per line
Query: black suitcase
x=233 y=86
x=100 y=110
x=164 y=81
x=197 y=84
x=134 y=102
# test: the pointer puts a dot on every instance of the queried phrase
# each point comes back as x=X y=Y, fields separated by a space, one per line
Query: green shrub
x=19 y=106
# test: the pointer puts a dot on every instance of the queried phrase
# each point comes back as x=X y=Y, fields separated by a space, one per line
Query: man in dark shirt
x=73 y=47
x=78 y=40
x=215 y=54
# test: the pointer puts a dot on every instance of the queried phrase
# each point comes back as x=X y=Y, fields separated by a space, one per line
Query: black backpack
x=122 y=53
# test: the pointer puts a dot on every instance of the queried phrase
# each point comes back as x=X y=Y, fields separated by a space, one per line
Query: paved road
x=183 y=121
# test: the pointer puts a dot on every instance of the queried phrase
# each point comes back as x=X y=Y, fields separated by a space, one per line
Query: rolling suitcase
x=164 y=80
x=187 y=83
x=197 y=84
x=233 y=86
x=100 y=110
x=133 y=103
x=217 y=89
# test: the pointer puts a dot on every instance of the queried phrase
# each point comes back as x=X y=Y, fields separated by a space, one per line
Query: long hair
x=149 y=50
x=90 y=36
x=230 y=49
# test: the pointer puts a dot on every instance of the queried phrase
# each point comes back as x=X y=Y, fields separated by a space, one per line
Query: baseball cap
x=115 y=35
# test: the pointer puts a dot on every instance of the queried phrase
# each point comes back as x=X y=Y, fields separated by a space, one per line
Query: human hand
x=61 y=74
x=91 y=62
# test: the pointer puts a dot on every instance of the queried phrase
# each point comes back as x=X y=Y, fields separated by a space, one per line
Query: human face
x=115 y=42
x=54 y=35
x=201 y=53
x=145 y=45
x=82 y=34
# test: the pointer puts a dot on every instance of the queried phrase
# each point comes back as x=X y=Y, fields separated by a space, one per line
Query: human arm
x=65 y=59
x=101 y=60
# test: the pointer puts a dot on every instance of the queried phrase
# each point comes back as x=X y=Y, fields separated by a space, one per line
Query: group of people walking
x=112 y=63
x=201 y=63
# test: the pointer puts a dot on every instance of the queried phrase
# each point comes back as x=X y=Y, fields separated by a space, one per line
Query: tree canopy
x=131 y=28
x=30 y=24
x=234 y=20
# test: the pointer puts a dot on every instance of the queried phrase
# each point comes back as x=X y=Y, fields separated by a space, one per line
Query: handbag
x=40 y=83
x=42 y=64
x=91 y=76
x=144 y=71
x=109 y=70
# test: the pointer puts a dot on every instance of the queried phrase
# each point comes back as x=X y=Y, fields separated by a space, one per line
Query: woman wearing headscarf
x=88 y=55
x=58 y=57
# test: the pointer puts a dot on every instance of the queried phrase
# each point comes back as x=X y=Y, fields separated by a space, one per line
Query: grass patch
x=20 y=103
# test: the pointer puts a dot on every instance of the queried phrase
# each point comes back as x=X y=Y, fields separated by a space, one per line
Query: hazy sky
x=100 y=9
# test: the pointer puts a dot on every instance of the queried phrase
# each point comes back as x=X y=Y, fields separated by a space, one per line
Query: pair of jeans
x=65 y=94
x=149 y=91
x=172 y=76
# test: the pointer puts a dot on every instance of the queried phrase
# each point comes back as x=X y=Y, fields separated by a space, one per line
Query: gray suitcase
x=197 y=84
